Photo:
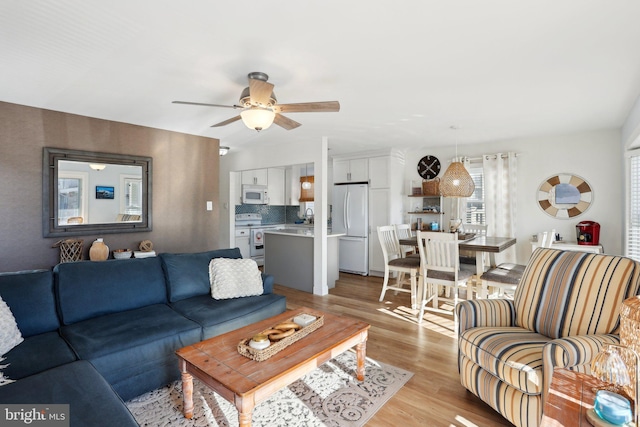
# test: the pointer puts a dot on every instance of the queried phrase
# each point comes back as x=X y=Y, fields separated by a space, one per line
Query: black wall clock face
x=429 y=167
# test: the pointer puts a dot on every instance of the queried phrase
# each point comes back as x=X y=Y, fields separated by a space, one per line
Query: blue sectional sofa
x=112 y=328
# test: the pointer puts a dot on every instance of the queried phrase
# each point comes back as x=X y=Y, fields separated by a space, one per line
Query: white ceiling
x=403 y=71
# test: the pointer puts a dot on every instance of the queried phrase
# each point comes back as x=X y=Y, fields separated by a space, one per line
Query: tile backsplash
x=272 y=214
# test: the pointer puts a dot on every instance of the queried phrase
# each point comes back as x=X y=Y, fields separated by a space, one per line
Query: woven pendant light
x=456 y=181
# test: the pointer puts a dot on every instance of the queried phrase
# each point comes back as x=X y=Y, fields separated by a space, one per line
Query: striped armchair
x=564 y=310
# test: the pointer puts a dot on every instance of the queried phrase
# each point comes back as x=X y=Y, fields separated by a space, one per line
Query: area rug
x=328 y=396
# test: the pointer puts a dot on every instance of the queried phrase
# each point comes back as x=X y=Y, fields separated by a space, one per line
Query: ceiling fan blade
x=226 y=122
x=303 y=107
x=206 y=105
x=260 y=92
x=285 y=122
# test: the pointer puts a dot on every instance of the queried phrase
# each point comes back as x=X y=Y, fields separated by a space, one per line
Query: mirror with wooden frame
x=564 y=196
x=86 y=192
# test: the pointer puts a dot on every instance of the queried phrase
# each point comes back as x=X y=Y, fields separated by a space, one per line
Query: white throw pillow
x=10 y=335
x=234 y=278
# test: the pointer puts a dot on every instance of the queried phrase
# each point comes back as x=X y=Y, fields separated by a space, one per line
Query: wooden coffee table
x=245 y=382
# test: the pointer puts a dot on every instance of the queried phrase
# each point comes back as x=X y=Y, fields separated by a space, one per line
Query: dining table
x=478 y=244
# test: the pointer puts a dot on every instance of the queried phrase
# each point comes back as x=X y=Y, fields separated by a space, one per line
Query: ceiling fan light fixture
x=258 y=118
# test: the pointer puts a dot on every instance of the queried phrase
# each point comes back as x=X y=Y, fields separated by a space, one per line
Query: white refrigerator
x=350 y=216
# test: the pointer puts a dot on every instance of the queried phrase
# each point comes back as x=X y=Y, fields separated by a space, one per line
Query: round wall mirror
x=564 y=196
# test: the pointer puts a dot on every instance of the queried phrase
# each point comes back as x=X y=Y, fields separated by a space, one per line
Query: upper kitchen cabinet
x=352 y=170
x=292 y=186
x=255 y=177
x=275 y=186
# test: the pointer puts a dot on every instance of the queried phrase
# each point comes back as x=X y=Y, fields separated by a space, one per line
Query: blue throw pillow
x=187 y=275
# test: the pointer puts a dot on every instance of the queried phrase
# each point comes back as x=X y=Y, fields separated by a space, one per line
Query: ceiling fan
x=260 y=107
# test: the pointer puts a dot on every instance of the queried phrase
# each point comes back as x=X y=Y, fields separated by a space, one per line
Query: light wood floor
x=434 y=395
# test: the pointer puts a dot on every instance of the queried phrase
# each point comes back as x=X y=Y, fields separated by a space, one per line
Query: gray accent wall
x=185 y=177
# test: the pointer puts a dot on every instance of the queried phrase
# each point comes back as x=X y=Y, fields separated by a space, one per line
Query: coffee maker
x=588 y=233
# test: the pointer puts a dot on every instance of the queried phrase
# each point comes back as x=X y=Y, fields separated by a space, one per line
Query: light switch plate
x=209 y=205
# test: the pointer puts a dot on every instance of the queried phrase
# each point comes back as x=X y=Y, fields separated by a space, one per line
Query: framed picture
x=103 y=192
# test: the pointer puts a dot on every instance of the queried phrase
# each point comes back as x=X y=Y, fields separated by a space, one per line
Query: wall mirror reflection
x=95 y=192
x=564 y=196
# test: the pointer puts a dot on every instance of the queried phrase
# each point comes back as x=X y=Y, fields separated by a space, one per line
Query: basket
x=261 y=355
x=70 y=250
x=431 y=187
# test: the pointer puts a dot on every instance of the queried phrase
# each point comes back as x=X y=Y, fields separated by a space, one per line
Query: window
x=632 y=249
x=131 y=198
x=72 y=196
x=475 y=210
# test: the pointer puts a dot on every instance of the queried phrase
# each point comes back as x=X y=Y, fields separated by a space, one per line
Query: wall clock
x=564 y=196
x=429 y=167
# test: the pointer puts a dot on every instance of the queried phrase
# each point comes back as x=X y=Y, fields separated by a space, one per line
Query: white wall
x=595 y=156
x=631 y=127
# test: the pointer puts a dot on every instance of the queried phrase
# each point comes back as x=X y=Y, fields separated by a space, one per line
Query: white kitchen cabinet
x=255 y=177
x=379 y=172
x=242 y=241
x=379 y=214
x=275 y=186
x=292 y=186
x=352 y=170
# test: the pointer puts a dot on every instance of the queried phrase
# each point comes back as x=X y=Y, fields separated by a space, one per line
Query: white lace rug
x=328 y=396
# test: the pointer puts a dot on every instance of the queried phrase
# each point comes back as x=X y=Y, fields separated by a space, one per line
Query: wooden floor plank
x=434 y=396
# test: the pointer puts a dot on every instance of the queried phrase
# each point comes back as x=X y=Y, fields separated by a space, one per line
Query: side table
x=570 y=396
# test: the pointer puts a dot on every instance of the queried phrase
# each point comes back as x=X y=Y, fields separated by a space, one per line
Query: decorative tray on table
x=466 y=236
x=272 y=334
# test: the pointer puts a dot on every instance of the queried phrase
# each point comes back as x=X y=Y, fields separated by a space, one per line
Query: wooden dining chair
x=440 y=266
x=403 y=231
x=394 y=262
x=505 y=277
x=469 y=257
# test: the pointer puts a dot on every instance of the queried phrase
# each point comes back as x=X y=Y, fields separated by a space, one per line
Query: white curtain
x=500 y=193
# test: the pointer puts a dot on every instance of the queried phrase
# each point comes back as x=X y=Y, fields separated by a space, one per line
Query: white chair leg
x=414 y=303
x=423 y=302
x=385 y=282
x=399 y=280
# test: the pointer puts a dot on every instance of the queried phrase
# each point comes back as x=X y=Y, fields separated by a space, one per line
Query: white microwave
x=254 y=195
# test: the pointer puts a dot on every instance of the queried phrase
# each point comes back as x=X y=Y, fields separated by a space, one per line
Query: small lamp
x=630 y=338
x=258 y=118
x=611 y=403
x=606 y=365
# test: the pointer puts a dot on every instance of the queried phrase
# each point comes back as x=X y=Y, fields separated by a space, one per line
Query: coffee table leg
x=187 y=395
x=361 y=350
x=245 y=405
x=244 y=419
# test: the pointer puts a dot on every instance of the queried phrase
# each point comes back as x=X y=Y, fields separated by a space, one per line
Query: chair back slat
x=438 y=251
x=389 y=242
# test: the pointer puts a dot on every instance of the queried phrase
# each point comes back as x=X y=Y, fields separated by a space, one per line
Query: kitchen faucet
x=310 y=218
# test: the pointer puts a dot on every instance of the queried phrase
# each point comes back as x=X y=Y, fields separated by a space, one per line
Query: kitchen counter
x=288 y=257
x=302 y=232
